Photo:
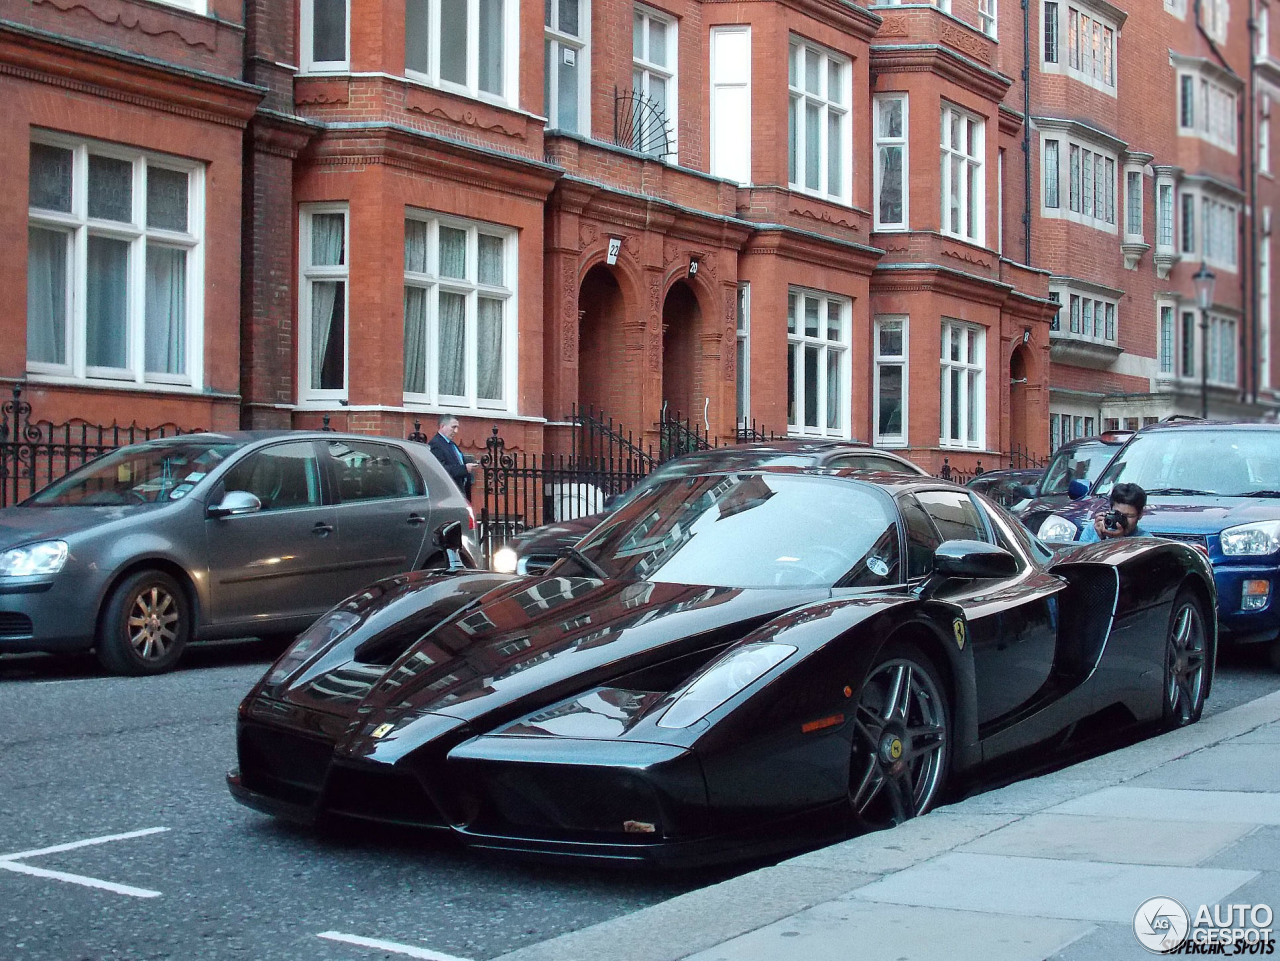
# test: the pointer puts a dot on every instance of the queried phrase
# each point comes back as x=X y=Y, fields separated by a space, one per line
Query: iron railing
x=640 y=124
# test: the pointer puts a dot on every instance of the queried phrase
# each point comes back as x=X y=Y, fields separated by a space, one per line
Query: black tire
x=1186 y=665
x=145 y=625
x=900 y=755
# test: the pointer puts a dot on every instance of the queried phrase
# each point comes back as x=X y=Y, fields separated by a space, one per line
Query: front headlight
x=1055 y=528
x=722 y=680
x=504 y=561
x=1251 y=540
x=321 y=634
x=47 y=557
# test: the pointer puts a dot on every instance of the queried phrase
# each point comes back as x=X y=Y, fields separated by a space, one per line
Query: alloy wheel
x=1185 y=664
x=153 y=622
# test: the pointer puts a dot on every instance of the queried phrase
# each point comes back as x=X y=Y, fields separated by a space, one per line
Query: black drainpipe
x=1026 y=131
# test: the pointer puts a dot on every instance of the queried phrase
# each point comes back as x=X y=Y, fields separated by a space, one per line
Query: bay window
x=962 y=394
x=890 y=389
x=1090 y=41
x=468 y=46
x=819 y=143
x=891 y=170
x=963 y=190
x=323 y=301
x=1206 y=103
x=819 y=328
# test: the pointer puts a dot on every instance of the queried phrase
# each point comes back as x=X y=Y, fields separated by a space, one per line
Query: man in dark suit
x=455 y=463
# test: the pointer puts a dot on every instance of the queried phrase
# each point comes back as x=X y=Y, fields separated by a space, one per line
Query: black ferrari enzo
x=733 y=663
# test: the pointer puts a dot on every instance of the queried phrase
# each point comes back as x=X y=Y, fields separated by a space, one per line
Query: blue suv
x=1215 y=486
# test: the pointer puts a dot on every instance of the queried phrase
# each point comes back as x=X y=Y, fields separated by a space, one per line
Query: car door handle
x=322 y=528
x=417 y=519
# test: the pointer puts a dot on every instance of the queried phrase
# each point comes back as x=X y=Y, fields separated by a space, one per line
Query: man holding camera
x=1127 y=504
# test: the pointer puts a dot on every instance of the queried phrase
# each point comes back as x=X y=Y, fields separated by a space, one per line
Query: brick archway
x=683 y=386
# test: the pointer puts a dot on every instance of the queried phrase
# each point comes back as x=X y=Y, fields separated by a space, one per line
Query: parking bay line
x=392 y=946
x=13 y=862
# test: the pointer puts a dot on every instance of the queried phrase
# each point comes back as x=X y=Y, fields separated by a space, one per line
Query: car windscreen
x=141 y=474
x=1080 y=463
x=750 y=530
x=1222 y=461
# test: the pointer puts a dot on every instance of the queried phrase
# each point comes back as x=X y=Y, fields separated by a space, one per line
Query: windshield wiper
x=1185 y=491
x=1261 y=493
x=590 y=566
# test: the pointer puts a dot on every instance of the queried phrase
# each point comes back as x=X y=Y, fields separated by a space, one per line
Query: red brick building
x=808 y=214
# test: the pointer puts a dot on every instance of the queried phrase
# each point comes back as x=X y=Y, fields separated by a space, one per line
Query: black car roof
x=1210 y=425
x=889 y=479
x=245 y=437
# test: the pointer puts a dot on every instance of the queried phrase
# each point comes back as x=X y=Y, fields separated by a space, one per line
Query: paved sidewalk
x=1052 y=867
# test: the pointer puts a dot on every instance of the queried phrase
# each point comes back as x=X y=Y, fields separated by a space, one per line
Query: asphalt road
x=85 y=757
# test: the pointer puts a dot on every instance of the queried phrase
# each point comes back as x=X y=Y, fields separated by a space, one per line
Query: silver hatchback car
x=216 y=535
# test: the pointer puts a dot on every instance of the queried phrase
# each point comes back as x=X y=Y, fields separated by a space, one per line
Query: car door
x=279 y=562
x=384 y=511
x=1011 y=623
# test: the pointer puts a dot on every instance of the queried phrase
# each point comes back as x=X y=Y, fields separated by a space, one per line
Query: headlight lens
x=321 y=634
x=1251 y=540
x=47 y=557
x=1055 y=528
x=504 y=561
x=722 y=680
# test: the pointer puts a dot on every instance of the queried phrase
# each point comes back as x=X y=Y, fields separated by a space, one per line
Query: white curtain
x=166 y=310
x=489 y=349
x=415 y=340
x=328 y=234
x=46 y=296
x=453 y=41
x=107 y=304
x=452 y=341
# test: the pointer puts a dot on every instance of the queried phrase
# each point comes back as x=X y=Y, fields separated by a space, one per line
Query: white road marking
x=59 y=848
x=13 y=862
x=10 y=865
x=392 y=946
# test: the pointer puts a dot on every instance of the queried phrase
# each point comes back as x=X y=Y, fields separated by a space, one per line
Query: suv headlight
x=1055 y=528
x=47 y=557
x=732 y=673
x=1251 y=540
x=505 y=560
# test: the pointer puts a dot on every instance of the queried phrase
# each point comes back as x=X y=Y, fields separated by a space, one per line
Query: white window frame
x=798 y=341
x=1061 y=22
x=973 y=385
x=1088 y=316
x=669 y=72
x=1224 y=360
x=1132 y=215
x=1263 y=24
x=1264 y=302
x=883 y=360
x=557 y=43
x=195 y=6
x=730 y=79
x=1166 y=339
x=307 y=274
x=882 y=141
x=799 y=99
x=1206 y=109
x=743 y=345
x=1081 y=198
x=470 y=288
x=510 y=94
x=1214 y=17
x=972 y=162
x=79 y=226
x=1166 y=217
x=1264 y=134
x=987 y=22
x=306 y=36
x=1212 y=231
x=1176 y=7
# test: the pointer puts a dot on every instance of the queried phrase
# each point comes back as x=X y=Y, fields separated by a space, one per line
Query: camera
x=1113 y=521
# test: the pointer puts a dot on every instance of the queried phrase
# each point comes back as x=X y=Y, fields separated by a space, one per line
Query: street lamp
x=1203 y=279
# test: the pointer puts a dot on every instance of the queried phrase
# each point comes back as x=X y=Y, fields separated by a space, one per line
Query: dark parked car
x=1008 y=488
x=1082 y=459
x=214 y=535
x=731 y=664
x=1217 y=487
x=536 y=549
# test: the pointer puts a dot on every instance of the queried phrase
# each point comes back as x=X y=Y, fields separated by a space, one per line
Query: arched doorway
x=1019 y=436
x=681 y=322
x=600 y=340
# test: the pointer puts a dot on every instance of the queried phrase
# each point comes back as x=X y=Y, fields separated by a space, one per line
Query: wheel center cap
x=890 y=748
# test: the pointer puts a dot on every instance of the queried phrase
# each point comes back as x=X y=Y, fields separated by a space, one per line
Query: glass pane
x=110 y=189
x=835 y=320
x=415 y=340
x=972 y=209
x=812 y=145
x=166 y=199
x=891 y=339
x=792 y=139
x=453 y=252
x=811 y=317
x=329 y=42
x=835 y=89
x=492 y=35
x=415 y=247
x=811 y=368
x=812 y=71
x=50 y=178
x=165 y=339
x=833 y=389
x=792 y=60
x=637 y=37
x=107 y=303
x=791 y=383
x=658 y=43
x=546 y=13
x=791 y=313
x=955 y=193
x=890 y=422
x=658 y=94
x=567 y=80
x=955 y=405
x=453 y=40
x=417 y=35
x=891 y=118
x=569 y=17
x=328 y=334
x=490 y=260
x=489 y=349
x=971 y=338
x=742 y=379
x=890 y=185
x=328 y=240
x=451 y=349
x=835 y=150
x=47 y=295
x=972 y=402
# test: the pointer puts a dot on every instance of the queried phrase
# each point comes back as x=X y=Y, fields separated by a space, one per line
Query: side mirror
x=967 y=559
x=448 y=537
x=236 y=502
x=1077 y=489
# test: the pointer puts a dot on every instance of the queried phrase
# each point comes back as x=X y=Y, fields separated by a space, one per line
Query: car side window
x=922 y=539
x=955 y=514
x=865 y=462
x=368 y=471
x=283 y=477
x=1006 y=535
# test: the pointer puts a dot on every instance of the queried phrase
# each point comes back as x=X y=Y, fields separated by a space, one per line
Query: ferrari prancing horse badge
x=957 y=626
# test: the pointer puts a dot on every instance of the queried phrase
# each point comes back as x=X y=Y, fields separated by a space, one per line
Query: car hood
x=531 y=643
x=26 y=525
x=1202 y=515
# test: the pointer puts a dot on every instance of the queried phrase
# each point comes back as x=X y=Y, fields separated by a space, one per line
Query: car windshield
x=1230 y=463
x=750 y=530
x=1080 y=463
x=142 y=474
